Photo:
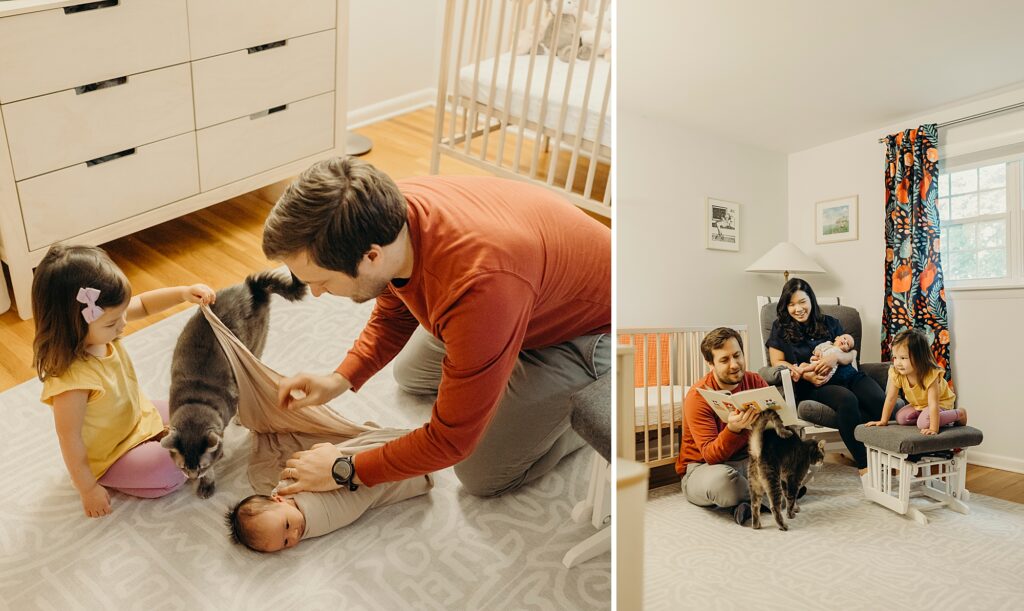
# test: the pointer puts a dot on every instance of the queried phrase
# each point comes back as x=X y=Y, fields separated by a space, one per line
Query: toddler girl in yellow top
x=80 y=302
x=928 y=395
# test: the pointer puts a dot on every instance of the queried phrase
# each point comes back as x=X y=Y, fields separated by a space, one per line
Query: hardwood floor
x=220 y=245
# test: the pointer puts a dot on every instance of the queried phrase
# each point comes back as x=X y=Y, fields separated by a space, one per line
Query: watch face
x=342 y=470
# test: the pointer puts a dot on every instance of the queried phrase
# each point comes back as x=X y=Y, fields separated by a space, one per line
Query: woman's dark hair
x=795 y=332
x=920 y=350
x=60 y=326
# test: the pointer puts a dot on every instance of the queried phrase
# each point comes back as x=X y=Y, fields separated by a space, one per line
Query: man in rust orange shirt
x=496 y=293
x=713 y=454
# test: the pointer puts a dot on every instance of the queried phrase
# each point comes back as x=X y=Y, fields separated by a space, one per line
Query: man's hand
x=306 y=389
x=739 y=420
x=311 y=470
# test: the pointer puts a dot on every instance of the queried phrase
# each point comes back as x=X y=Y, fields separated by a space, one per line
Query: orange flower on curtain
x=915 y=295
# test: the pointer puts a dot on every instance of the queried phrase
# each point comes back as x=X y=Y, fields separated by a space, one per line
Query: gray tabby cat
x=779 y=462
x=204 y=395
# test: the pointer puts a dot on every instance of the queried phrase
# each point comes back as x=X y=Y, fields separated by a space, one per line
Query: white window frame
x=1014 y=229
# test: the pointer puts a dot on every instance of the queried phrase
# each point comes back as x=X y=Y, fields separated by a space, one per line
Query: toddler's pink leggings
x=146 y=470
x=909 y=415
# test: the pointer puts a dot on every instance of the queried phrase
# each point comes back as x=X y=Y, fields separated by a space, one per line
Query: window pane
x=992 y=234
x=961 y=265
x=964 y=206
x=992 y=202
x=992 y=176
x=943 y=205
x=991 y=263
x=961 y=237
x=944 y=240
x=943 y=185
x=963 y=182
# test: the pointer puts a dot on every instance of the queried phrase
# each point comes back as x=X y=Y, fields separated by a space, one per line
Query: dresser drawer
x=247 y=146
x=53 y=50
x=241 y=83
x=220 y=26
x=61 y=129
x=75 y=200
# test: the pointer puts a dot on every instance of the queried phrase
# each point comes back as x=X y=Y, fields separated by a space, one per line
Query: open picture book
x=761 y=399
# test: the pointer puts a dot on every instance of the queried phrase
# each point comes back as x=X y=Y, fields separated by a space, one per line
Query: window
x=980 y=215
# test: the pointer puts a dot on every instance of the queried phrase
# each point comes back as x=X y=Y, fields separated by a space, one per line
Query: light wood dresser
x=117 y=115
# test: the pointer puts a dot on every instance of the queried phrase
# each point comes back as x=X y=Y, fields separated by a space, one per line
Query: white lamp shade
x=785 y=257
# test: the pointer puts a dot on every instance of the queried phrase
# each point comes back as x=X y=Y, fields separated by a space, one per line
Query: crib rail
x=666 y=363
x=489 y=60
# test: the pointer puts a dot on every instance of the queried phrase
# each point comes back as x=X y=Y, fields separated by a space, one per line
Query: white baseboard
x=381 y=111
x=995 y=461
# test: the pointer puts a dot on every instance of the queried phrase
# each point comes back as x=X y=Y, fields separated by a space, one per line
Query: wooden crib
x=666 y=362
x=519 y=114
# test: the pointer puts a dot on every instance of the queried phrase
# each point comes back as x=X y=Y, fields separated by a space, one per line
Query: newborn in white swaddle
x=272 y=523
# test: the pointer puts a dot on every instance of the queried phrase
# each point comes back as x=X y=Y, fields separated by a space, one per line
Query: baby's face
x=844 y=342
x=279 y=527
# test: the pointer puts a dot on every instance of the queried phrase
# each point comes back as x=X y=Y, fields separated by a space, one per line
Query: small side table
x=631 y=487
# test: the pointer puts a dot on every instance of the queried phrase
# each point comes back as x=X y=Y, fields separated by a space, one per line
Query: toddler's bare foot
x=962 y=420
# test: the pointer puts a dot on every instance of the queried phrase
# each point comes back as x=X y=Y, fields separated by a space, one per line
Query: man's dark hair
x=716 y=339
x=334 y=212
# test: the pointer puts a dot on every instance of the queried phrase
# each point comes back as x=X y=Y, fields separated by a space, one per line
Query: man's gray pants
x=530 y=431
x=721 y=485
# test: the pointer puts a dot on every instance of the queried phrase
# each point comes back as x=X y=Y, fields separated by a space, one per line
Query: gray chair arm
x=592 y=414
x=772 y=374
x=879 y=372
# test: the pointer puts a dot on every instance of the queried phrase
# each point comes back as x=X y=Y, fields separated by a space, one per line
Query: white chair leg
x=594 y=545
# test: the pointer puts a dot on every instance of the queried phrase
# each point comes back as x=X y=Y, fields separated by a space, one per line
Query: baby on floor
x=272 y=523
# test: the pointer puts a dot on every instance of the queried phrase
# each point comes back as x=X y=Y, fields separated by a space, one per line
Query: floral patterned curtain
x=915 y=294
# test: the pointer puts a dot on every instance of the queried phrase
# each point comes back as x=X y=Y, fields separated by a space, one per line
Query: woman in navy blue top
x=855 y=397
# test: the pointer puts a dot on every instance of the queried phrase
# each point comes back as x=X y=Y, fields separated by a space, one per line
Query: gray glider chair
x=818 y=414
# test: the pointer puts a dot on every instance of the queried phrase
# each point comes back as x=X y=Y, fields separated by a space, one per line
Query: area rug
x=446 y=550
x=841 y=552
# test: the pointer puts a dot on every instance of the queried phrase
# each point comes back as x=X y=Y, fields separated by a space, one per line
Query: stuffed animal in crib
x=589 y=37
x=566 y=42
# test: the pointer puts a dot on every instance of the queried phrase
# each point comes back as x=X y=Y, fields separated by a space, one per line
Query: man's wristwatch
x=344 y=472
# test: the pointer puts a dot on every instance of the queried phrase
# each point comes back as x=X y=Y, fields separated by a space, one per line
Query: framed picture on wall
x=722 y=225
x=837 y=220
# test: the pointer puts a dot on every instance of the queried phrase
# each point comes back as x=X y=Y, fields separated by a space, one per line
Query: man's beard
x=732 y=378
x=372 y=290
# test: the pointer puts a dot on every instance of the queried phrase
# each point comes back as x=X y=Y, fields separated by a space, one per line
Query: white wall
x=394 y=55
x=665 y=276
x=985 y=325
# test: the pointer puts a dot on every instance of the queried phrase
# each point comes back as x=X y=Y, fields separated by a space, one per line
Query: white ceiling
x=788 y=75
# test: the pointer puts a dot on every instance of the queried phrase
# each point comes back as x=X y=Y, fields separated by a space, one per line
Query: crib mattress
x=559 y=75
x=663 y=401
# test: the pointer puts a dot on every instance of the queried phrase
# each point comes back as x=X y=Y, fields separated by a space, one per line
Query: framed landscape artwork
x=722 y=225
x=837 y=220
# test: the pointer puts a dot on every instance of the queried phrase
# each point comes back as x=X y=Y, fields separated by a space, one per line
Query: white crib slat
x=516 y=26
x=523 y=116
x=483 y=13
x=458 y=74
x=442 y=89
x=494 y=80
x=556 y=148
x=592 y=65
x=544 y=96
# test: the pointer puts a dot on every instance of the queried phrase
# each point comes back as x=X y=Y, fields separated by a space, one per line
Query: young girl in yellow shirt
x=928 y=395
x=105 y=425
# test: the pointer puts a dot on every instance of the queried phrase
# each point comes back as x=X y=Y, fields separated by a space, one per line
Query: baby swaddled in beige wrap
x=270 y=523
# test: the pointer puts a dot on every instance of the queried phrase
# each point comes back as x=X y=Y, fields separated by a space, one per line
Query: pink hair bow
x=91 y=311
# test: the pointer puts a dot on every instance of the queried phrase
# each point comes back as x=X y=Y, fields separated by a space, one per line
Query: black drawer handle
x=269 y=111
x=109 y=157
x=89 y=6
x=114 y=82
x=269 y=45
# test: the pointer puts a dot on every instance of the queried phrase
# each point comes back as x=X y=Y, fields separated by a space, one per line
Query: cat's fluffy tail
x=263 y=284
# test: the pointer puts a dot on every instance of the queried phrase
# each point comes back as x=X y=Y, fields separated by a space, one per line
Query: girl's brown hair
x=60 y=326
x=920 y=351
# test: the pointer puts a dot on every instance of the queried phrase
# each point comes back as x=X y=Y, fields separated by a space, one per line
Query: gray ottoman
x=930 y=466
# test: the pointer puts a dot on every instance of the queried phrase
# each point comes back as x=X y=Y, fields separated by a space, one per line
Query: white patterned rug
x=447 y=550
x=841 y=552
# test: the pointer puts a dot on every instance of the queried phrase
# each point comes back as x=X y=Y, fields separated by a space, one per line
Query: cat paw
x=783 y=527
x=205 y=489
